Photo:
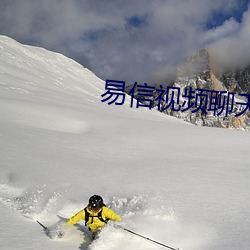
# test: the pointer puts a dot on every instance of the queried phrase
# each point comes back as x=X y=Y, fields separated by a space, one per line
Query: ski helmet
x=95 y=202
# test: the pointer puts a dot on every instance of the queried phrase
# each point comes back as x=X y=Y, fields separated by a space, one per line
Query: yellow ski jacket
x=94 y=223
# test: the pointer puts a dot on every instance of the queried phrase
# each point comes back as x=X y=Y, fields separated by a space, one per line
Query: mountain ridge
x=199 y=71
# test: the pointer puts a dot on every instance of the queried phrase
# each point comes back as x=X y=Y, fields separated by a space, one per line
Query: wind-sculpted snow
x=42 y=116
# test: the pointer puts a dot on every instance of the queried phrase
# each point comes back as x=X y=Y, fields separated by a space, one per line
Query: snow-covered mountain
x=182 y=185
x=236 y=80
x=200 y=71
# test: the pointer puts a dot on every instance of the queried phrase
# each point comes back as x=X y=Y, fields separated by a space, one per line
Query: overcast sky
x=131 y=40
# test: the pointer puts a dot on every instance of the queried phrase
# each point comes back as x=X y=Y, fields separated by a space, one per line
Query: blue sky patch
x=136 y=21
x=219 y=17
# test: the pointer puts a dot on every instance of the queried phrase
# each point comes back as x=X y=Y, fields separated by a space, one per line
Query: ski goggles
x=94 y=208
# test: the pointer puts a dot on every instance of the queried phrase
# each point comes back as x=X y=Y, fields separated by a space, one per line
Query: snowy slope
x=179 y=184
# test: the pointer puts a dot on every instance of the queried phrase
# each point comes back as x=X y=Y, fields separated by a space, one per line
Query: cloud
x=228 y=28
x=232 y=50
x=125 y=40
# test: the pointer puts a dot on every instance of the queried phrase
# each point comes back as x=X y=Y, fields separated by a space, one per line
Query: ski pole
x=45 y=228
x=146 y=238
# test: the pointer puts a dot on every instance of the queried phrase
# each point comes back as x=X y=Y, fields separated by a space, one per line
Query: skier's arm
x=110 y=214
x=77 y=217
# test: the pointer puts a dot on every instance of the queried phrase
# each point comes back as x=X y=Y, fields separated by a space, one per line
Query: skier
x=95 y=214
